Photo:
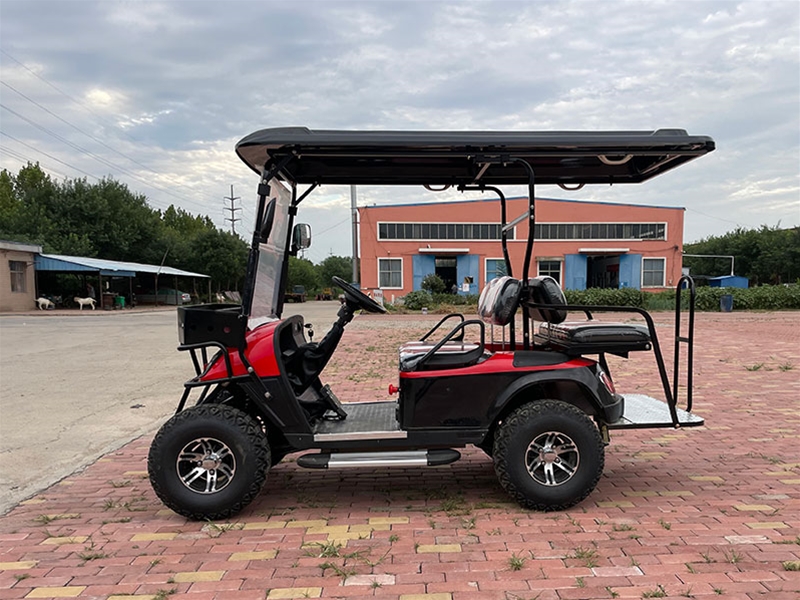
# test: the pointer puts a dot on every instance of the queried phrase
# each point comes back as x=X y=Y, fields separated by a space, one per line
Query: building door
x=422 y=264
x=575 y=272
x=446 y=270
x=630 y=271
x=467 y=272
x=603 y=271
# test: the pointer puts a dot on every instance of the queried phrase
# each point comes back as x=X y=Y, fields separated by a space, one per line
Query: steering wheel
x=358 y=297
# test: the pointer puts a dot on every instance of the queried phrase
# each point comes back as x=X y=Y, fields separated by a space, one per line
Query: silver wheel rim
x=206 y=465
x=552 y=459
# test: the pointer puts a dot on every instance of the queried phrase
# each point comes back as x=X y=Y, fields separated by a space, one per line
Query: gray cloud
x=173 y=85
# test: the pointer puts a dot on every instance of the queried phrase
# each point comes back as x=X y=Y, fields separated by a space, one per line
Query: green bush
x=418 y=299
x=432 y=283
x=455 y=299
x=765 y=297
x=607 y=297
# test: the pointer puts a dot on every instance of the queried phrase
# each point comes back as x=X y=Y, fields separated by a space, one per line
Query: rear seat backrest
x=545 y=290
x=499 y=300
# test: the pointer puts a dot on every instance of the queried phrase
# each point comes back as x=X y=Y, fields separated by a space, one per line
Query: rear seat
x=497 y=304
x=579 y=337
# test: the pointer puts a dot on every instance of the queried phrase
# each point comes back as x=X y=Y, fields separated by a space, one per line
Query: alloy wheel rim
x=206 y=465
x=552 y=458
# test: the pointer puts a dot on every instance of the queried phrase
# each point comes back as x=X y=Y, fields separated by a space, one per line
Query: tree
x=339 y=266
x=765 y=255
x=221 y=255
x=302 y=272
x=432 y=283
x=107 y=220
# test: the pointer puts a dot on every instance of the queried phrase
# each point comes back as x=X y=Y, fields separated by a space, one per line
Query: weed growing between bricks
x=713 y=512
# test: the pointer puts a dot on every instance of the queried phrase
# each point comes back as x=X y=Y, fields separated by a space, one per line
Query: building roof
x=19 y=247
x=110 y=268
x=538 y=199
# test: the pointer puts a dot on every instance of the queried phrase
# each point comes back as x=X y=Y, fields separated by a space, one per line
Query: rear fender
x=579 y=387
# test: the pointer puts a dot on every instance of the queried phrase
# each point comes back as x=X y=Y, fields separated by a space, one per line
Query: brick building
x=581 y=244
x=17 y=276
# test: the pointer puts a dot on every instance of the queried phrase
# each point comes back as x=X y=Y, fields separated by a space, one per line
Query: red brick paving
x=709 y=512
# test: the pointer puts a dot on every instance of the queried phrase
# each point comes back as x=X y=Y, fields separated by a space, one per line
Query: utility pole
x=232 y=210
x=354 y=211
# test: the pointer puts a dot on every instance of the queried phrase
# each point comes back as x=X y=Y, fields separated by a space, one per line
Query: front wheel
x=548 y=455
x=209 y=461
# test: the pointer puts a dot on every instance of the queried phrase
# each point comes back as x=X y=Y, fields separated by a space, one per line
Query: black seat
x=497 y=304
x=451 y=355
x=578 y=337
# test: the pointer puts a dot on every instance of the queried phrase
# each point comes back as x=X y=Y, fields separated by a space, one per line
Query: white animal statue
x=83 y=301
x=44 y=303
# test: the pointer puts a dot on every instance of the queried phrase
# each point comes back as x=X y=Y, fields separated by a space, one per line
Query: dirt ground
x=76 y=384
x=706 y=512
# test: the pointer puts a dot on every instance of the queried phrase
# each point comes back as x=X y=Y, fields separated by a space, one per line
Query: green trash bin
x=119 y=302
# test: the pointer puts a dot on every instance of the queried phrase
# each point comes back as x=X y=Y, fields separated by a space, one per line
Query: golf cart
x=517 y=382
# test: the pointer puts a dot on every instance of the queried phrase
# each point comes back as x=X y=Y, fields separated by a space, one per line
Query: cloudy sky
x=156 y=94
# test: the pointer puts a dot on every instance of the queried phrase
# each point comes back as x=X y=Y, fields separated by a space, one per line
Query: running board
x=412 y=458
x=644 y=412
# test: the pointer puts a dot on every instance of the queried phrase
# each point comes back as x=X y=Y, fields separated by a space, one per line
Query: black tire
x=235 y=459
x=565 y=468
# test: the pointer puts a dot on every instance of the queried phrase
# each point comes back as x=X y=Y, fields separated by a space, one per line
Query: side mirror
x=301 y=237
x=266 y=224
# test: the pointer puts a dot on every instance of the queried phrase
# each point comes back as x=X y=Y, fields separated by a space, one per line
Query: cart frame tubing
x=688 y=340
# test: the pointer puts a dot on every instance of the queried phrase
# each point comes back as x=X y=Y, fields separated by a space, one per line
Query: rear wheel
x=209 y=461
x=548 y=455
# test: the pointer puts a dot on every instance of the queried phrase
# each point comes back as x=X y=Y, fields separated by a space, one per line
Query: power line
x=63 y=93
x=100 y=119
x=79 y=130
x=27 y=160
x=49 y=156
x=96 y=157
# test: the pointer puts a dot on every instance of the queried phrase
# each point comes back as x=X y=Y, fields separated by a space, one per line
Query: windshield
x=267 y=295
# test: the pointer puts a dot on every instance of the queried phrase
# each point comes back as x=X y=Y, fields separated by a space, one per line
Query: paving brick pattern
x=708 y=512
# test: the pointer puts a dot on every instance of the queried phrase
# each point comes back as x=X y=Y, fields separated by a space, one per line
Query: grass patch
x=587 y=555
x=515 y=563
x=658 y=592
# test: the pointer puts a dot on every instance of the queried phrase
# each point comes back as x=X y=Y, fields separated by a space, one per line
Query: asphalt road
x=76 y=385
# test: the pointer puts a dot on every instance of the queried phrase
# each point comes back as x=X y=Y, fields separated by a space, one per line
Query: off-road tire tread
x=508 y=429
x=252 y=430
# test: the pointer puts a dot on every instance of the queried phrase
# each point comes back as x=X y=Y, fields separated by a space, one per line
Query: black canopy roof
x=460 y=157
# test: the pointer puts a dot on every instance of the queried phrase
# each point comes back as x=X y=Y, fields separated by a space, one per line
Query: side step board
x=644 y=412
x=407 y=458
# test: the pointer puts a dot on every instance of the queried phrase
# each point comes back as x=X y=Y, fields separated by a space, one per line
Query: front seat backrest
x=545 y=290
x=499 y=300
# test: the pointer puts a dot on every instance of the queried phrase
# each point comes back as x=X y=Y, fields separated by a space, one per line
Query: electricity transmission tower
x=232 y=210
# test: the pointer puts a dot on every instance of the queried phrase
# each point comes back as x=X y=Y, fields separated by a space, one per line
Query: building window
x=19 y=280
x=442 y=231
x=390 y=273
x=550 y=268
x=653 y=272
x=495 y=267
x=601 y=231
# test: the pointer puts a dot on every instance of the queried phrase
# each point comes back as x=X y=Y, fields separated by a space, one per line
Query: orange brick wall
x=488 y=211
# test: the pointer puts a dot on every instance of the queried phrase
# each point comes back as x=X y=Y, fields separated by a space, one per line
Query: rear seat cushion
x=589 y=335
